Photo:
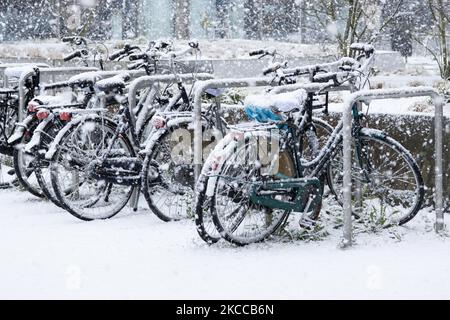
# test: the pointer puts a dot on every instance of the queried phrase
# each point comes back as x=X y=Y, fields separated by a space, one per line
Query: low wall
x=240 y=68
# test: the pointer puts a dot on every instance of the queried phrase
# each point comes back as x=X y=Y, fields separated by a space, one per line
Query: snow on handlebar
x=154 y=54
x=73 y=55
x=127 y=49
x=77 y=40
x=257 y=53
x=335 y=76
x=362 y=47
x=178 y=54
x=274 y=67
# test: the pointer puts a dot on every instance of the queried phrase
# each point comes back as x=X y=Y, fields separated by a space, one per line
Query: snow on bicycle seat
x=263 y=107
x=85 y=79
x=112 y=83
x=63 y=98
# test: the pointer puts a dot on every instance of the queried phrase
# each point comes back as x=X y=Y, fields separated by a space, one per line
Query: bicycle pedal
x=306 y=223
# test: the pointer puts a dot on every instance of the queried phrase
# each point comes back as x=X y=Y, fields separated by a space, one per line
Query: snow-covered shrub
x=416 y=83
x=443 y=87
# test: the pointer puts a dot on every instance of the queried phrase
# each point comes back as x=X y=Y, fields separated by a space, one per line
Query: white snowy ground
x=46 y=253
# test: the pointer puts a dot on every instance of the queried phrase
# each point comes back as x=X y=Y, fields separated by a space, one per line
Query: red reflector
x=158 y=122
x=32 y=105
x=65 y=116
x=42 y=114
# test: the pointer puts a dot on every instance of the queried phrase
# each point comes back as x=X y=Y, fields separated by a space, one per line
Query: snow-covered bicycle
x=250 y=192
x=95 y=162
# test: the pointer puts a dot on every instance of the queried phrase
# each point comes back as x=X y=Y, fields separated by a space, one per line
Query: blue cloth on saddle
x=260 y=114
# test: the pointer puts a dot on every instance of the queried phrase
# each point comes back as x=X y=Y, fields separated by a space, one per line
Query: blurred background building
x=287 y=20
x=106 y=19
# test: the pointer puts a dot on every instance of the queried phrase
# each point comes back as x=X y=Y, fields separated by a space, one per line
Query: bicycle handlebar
x=156 y=54
x=272 y=68
x=77 y=40
x=367 y=48
x=137 y=56
x=117 y=54
x=56 y=85
x=257 y=53
x=75 y=54
x=126 y=50
x=177 y=54
x=136 y=65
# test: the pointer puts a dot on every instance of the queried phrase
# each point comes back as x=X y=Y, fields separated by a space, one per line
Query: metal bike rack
x=367 y=96
x=52 y=71
x=202 y=86
x=103 y=74
x=199 y=89
x=149 y=81
x=5 y=66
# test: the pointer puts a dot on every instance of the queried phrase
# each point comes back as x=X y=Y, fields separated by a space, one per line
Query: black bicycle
x=249 y=195
x=95 y=161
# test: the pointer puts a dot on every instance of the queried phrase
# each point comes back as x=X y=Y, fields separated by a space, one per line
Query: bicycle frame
x=320 y=162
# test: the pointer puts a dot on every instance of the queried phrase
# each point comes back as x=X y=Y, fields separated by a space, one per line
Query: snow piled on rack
x=399 y=106
x=49 y=254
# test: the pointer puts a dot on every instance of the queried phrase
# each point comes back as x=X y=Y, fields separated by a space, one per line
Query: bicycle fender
x=156 y=134
x=75 y=122
x=36 y=138
x=20 y=129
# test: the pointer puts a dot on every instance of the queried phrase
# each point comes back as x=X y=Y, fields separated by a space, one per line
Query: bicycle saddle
x=265 y=107
x=85 y=79
x=116 y=82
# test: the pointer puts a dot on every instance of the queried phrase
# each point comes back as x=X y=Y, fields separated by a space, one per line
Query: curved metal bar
x=148 y=81
x=201 y=86
x=31 y=71
x=367 y=96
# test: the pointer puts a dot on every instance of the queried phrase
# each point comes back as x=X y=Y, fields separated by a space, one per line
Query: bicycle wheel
x=8 y=119
x=237 y=218
x=42 y=167
x=8 y=177
x=311 y=146
x=24 y=166
x=168 y=175
x=313 y=143
x=387 y=186
x=81 y=193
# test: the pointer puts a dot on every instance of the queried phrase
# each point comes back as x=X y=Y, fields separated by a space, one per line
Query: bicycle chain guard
x=120 y=170
x=305 y=192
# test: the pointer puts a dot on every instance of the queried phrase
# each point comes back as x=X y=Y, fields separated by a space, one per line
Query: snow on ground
x=49 y=254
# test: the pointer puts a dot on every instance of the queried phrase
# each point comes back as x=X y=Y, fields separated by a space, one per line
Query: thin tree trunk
x=181 y=19
x=443 y=38
x=130 y=18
